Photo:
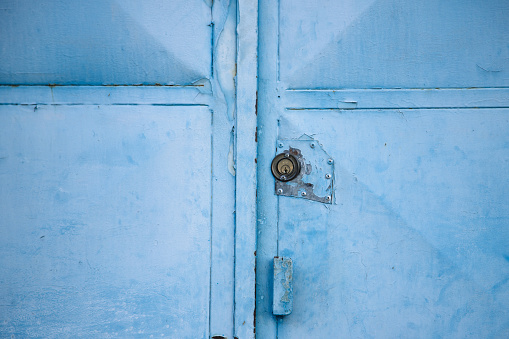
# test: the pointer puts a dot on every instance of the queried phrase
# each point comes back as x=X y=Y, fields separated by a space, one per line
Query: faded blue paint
x=105 y=42
x=93 y=241
x=245 y=179
x=393 y=44
x=121 y=214
x=411 y=100
x=282 y=295
x=117 y=203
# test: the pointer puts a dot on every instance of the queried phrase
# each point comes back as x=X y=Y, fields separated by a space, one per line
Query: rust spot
x=256 y=134
x=256 y=104
x=295 y=152
x=254 y=311
x=218 y=337
x=255 y=253
x=256 y=160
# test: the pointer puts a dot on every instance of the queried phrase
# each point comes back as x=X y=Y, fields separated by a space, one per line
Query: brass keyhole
x=285 y=167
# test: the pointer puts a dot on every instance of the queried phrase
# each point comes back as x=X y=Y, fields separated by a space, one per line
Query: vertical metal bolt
x=327 y=176
x=279 y=191
x=303 y=194
x=330 y=161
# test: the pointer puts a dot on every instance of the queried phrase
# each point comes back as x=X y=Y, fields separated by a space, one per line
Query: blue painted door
x=411 y=101
x=116 y=168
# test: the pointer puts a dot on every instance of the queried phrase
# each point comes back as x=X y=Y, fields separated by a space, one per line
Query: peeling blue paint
x=117 y=203
x=411 y=101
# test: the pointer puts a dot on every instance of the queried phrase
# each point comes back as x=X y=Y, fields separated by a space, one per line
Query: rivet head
x=280 y=145
x=312 y=145
x=328 y=198
x=303 y=194
x=279 y=191
x=330 y=161
x=327 y=176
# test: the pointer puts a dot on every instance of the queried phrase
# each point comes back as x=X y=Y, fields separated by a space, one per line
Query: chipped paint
x=316 y=178
x=134 y=116
x=231 y=153
x=283 y=287
x=415 y=117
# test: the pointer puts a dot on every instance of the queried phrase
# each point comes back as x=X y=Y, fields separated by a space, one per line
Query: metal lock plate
x=312 y=174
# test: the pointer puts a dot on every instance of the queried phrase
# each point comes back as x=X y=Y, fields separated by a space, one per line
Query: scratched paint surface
x=394 y=43
x=117 y=202
x=414 y=244
x=105 y=42
x=94 y=240
x=416 y=240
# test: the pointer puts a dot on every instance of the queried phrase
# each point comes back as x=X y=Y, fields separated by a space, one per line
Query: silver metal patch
x=316 y=178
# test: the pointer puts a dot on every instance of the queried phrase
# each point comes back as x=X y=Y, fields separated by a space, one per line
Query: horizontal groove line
x=389 y=108
x=102 y=86
x=390 y=89
x=99 y=104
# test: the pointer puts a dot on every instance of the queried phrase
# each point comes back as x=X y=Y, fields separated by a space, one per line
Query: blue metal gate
x=409 y=101
x=117 y=170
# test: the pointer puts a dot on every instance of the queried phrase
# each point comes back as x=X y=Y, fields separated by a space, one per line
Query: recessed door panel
x=394 y=44
x=105 y=42
x=107 y=219
x=414 y=241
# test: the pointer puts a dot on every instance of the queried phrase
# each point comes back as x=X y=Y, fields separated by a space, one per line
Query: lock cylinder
x=285 y=167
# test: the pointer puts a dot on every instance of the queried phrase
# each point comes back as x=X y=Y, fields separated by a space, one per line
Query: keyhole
x=285 y=167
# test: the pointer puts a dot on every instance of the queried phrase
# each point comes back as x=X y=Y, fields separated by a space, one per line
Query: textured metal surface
x=93 y=241
x=246 y=179
x=315 y=180
x=393 y=44
x=102 y=42
x=411 y=100
x=282 y=297
x=92 y=244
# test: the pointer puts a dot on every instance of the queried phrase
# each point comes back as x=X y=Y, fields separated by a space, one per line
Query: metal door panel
x=105 y=42
x=393 y=44
x=98 y=223
x=119 y=200
x=413 y=244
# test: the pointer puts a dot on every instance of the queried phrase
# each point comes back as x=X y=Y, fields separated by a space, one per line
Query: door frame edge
x=245 y=181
